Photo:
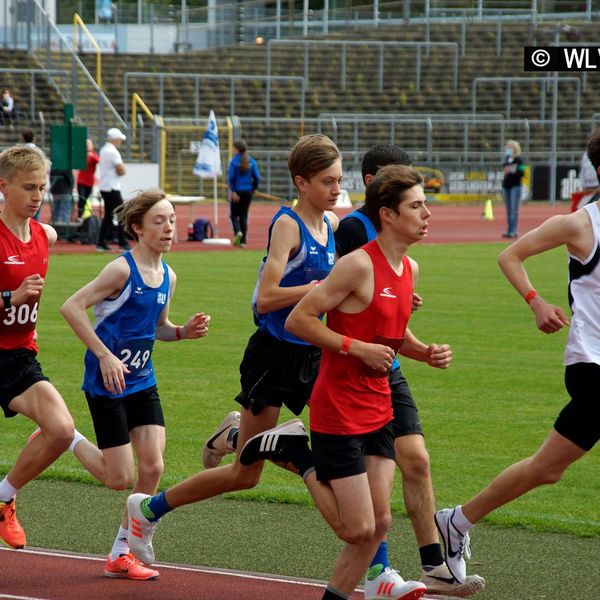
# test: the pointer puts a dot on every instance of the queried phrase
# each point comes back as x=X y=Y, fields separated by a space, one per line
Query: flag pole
x=208 y=165
x=215 y=207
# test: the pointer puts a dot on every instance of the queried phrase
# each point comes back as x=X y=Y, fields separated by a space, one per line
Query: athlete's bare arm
x=417 y=300
x=195 y=327
x=285 y=240
x=51 y=233
x=108 y=284
x=435 y=355
x=349 y=287
x=575 y=232
x=334 y=220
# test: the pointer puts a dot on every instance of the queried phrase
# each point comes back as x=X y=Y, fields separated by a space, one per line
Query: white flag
x=208 y=163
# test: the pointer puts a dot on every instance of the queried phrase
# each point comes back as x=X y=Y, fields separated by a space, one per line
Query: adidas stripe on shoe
x=140 y=529
x=276 y=444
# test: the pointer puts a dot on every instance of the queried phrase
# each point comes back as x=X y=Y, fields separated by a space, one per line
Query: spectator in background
x=28 y=137
x=85 y=177
x=514 y=169
x=110 y=171
x=61 y=188
x=7 y=104
x=243 y=178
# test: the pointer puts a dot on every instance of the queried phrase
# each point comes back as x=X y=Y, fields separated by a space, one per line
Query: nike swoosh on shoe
x=209 y=443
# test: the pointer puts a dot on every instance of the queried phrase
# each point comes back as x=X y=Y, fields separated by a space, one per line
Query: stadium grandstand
x=444 y=79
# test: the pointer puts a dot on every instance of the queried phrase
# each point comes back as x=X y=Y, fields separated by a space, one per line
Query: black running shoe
x=275 y=444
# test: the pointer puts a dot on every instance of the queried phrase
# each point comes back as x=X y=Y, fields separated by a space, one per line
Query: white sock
x=7 y=490
x=460 y=521
x=76 y=439
x=120 y=546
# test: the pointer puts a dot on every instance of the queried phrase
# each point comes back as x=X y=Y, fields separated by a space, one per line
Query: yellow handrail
x=78 y=22
x=135 y=100
x=163 y=152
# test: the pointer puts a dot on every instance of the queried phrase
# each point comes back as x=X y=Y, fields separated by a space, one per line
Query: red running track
x=448 y=224
x=48 y=575
x=38 y=574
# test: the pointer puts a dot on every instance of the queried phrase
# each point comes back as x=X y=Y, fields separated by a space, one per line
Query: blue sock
x=155 y=507
x=379 y=563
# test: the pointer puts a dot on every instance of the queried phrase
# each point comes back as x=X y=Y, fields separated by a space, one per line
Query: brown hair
x=242 y=148
x=132 y=212
x=387 y=189
x=21 y=158
x=312 y=154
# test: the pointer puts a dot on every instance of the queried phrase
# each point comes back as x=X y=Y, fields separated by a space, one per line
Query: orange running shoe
x=129 y=567
x=10 y=528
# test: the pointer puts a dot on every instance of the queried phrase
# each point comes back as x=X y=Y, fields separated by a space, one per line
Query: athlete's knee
x=242 y=478
x=59 y=435
x=543 y=473
x=383 y=524
x=356 y=535
x=414 y=465
x=356 y=532
x=151 y=470
x=118 y=480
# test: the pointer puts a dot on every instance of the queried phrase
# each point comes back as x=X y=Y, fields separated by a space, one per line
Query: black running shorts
x=406 y=416
x=114 y=418
x=338 y=456
x=274 y=373
x=579 y=420
x=19 y=370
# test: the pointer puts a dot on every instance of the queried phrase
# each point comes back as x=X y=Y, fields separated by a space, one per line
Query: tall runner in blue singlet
x=277 y=368
x=131 y=297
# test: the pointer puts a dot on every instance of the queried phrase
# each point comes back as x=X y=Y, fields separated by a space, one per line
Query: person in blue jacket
x=243 y=177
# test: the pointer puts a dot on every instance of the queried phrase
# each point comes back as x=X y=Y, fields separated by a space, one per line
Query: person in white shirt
x=7 y=105
x=110 y=171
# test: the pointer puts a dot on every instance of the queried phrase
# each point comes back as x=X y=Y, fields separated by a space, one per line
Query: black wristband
x=6 y=296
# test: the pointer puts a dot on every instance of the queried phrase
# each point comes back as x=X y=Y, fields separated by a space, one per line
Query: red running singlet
x=349 y=398
x=17 y=261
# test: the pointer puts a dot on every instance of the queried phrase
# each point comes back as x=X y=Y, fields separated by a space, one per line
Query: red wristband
x=346 y=343
x=177 y=333
x=530 y=296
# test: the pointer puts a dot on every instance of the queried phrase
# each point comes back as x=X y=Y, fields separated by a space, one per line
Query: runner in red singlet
x=23 y=387
x=368 y=300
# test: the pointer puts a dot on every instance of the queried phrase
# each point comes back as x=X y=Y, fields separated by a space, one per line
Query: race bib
x=135 y=355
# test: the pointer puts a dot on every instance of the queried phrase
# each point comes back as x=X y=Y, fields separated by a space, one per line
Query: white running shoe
x=388 y=585
x=140 y=530
x=456 y=544
x=276 y=444
x=218 y=445
x=440 y=581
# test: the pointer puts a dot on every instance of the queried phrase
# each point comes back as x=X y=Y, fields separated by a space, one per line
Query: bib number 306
x=21 y=315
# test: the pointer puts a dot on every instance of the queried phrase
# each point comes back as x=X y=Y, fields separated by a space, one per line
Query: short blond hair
x=132 y=212
x=21 y=158
x=515 y=146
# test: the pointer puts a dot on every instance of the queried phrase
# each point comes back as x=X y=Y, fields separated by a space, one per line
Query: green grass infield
x=494 y=406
